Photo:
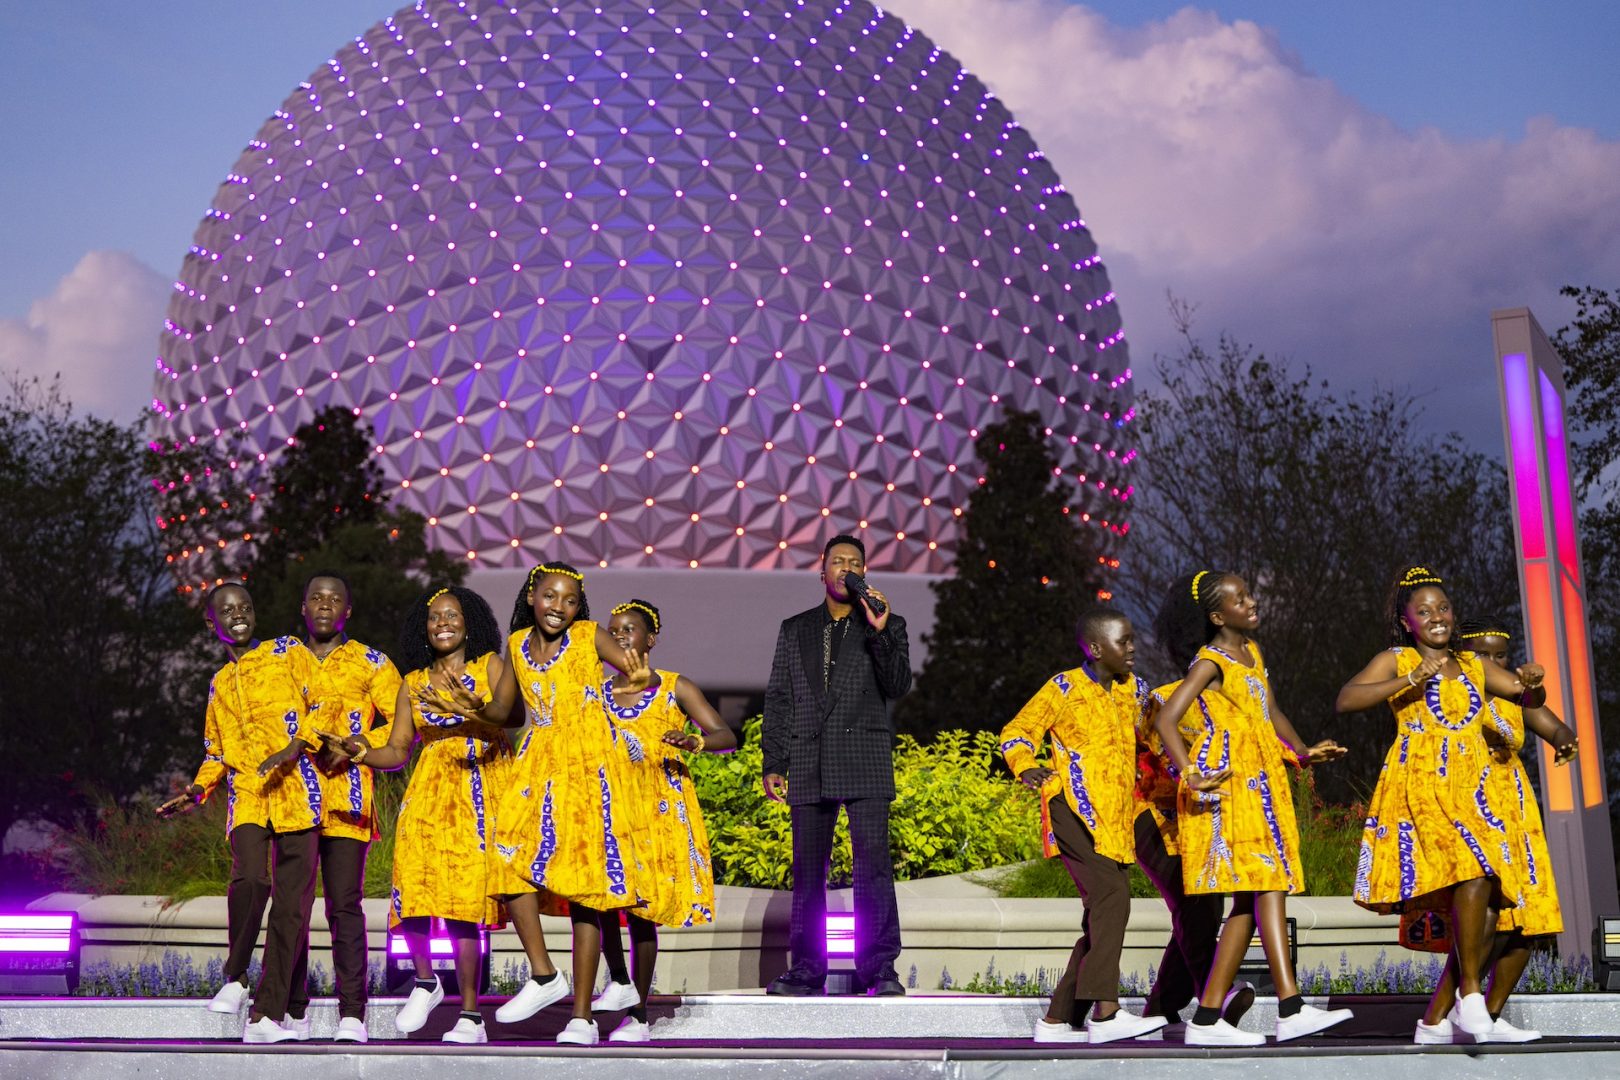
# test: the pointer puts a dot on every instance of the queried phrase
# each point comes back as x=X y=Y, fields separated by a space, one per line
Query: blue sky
x=119 y=121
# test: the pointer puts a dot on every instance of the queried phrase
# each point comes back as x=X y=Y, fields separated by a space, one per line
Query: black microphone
x=857 y=586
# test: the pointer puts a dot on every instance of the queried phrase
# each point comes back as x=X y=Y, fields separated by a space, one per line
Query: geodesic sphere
x=669 y=283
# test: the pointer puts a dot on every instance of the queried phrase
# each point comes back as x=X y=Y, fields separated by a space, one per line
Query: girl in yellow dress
x=1235 y=813
x=1511 y=794
x=563 y=830
x=678 y=880
x=1433 y=838
x=446 y=819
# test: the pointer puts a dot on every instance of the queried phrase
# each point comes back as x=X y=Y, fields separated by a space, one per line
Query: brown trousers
x=1195 y=921
x=343 y=884
x=290 y=858
x=1093 y=971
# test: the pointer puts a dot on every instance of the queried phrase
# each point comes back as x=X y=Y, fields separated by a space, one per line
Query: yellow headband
x=1196 y=579
x=1485 y=633
x=637 y=606
x=435 y=596
x=550 y=568
x=1420 y=575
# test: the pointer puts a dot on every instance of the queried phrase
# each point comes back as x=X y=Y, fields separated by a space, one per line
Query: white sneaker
x=415 y=1011
x=1504 y=1032
x=579 y=1033
x=300 y=1027
x=1122 y=1025
x=1441 y=1034
x=351 y=1029
x=532 y=998
x=616 y=997
x=467 y=1030
x=1220 y=1033
x=229 y=999
x=266 y=1030
x=1048 y=1032
x=631 y=1030
x=1308 y=1021
x=1471 y=1017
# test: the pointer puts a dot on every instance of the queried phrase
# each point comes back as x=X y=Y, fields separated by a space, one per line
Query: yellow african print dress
x=1431 y=823
x=661 y=806
x=355 y=688
x=1513 y=797
x=446 y=817
x=1246 y=840
x=1157 y=790
x=1093 y=732
x=563 y=826
x=255 y=704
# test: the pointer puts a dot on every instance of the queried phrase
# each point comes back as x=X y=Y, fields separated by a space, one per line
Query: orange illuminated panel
x=1580 y=693
x=1538 y=606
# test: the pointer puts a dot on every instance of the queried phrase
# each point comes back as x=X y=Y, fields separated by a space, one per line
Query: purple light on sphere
x=654 y=284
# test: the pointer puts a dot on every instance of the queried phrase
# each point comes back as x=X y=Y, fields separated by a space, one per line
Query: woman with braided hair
x=562 y=838
x=1237 y=835
x=677 y=878
x=1433 y=839
x=1514 y=798
x=446 y=819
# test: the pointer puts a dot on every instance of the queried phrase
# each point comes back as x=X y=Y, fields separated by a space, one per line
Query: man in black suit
x=829 y=742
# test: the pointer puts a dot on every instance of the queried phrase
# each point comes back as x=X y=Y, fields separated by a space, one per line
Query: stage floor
x=720 y=1036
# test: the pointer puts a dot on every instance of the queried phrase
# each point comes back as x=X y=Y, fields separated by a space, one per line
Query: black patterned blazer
x=835 y=742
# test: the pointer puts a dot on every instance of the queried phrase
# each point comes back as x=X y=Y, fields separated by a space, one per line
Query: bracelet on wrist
x=701 y=743
x=1411 y=680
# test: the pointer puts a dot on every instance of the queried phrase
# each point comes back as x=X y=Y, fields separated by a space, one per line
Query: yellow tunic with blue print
x=563 y=826
x=677 y=877
x=1431 y=822
x=1247 y=839
x=1093 y=734
x=255 y=704
x=1514 y=798
x=446 y=819
x=355 y=688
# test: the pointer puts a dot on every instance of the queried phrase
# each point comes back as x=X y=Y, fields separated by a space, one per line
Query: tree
x=326 y=510
x=104 y=666
x=1318 y=500
x=1004 y=621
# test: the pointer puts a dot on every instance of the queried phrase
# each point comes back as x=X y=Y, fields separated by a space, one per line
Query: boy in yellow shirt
x=256 y=734
x=1091 y=714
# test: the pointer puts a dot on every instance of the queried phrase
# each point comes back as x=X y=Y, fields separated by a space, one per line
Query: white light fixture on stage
x=840 y=930
x=1606 y=953
x=39 y=953
x=399 y=970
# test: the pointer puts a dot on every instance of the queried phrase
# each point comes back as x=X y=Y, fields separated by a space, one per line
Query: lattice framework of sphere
x=668 y=283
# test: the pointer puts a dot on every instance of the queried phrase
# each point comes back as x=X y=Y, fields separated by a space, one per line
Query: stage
x=720 y=1035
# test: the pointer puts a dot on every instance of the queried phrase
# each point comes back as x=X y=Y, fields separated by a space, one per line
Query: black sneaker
x=796 y=982
x=886 y=986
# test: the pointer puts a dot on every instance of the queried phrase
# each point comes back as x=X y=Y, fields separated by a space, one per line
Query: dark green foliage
x=1025 y=569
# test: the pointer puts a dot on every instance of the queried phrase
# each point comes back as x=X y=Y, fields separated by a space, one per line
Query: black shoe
x=888 y=986
x=796 y=982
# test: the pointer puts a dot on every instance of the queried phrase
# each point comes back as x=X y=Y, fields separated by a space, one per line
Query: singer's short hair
x=843 y=538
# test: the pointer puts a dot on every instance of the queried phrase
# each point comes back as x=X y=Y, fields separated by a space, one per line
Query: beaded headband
x=435 y=596
x=1420 y=575
x=549 y=568
x=1485 y=633
x=1196 y=579
x=634 y=605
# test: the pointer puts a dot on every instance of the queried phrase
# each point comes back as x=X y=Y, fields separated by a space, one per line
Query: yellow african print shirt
x=1093 y=732
x=355 y=689
x=255 y=704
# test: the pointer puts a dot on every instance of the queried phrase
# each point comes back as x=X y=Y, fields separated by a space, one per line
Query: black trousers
x=291 y=857
x=246 y=897
x=1195 y=922
x=1093 y=970
x=343 y=884
x=877 y=915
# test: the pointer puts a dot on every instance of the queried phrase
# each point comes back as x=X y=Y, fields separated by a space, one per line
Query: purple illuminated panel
x=1558 y=489
x=439 y=945
x=1522 y=441
x=840 y=935
x=674 y=285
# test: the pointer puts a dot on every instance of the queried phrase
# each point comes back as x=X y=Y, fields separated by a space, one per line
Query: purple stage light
x=840 y=935
x=39 y=953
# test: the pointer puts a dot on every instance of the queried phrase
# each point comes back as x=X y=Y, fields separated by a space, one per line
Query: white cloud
x=1207 y=160
x=98 y=329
